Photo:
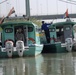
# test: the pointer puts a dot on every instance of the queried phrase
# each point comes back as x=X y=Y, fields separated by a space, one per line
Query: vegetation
x=0 y=29
x=38 y=22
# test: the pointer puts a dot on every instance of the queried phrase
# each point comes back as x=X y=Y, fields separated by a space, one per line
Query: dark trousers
x=47 y=34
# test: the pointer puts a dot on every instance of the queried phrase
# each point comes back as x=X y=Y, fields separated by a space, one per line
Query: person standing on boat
x=45 y=27
x=19 y=35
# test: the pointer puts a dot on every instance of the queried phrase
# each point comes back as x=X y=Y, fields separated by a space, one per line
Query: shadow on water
x=46 y=64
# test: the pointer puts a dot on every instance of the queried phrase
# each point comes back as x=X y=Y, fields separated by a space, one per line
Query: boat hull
x=32 y=50
x=54 y=48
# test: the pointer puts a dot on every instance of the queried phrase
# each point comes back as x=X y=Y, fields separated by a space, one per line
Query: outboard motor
x=9 y=48
x=69 y=44
x=20 y=47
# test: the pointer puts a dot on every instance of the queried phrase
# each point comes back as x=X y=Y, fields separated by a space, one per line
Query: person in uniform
x=19 y=35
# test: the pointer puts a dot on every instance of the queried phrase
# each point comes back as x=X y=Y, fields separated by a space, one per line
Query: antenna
x=70 y=2
x=3 y=1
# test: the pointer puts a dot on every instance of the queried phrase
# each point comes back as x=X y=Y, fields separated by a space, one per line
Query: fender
x=31 y=39
x=8 y=40
x=53 y=39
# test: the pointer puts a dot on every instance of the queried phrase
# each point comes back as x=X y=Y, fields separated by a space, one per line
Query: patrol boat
x=61 y=37
x=11 y=48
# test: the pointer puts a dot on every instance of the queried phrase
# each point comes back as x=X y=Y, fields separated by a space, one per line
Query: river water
x=45 y=64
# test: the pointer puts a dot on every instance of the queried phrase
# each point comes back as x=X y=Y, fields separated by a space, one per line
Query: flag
x=11 y=12
x=2 y=20
x=66 y=15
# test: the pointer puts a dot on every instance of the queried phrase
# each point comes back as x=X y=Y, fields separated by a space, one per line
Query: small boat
x=61 y=37
x=11 y=47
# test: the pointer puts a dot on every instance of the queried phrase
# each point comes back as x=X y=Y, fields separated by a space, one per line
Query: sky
x=38 y=7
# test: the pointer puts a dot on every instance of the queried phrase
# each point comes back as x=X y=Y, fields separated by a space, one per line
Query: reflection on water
x=46 y=64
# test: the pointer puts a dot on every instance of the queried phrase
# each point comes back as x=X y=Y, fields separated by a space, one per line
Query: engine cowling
x=9 y=48
x=69 y=44
x=20 y=47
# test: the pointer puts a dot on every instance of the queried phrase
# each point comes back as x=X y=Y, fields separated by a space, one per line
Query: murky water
x=46 y=64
